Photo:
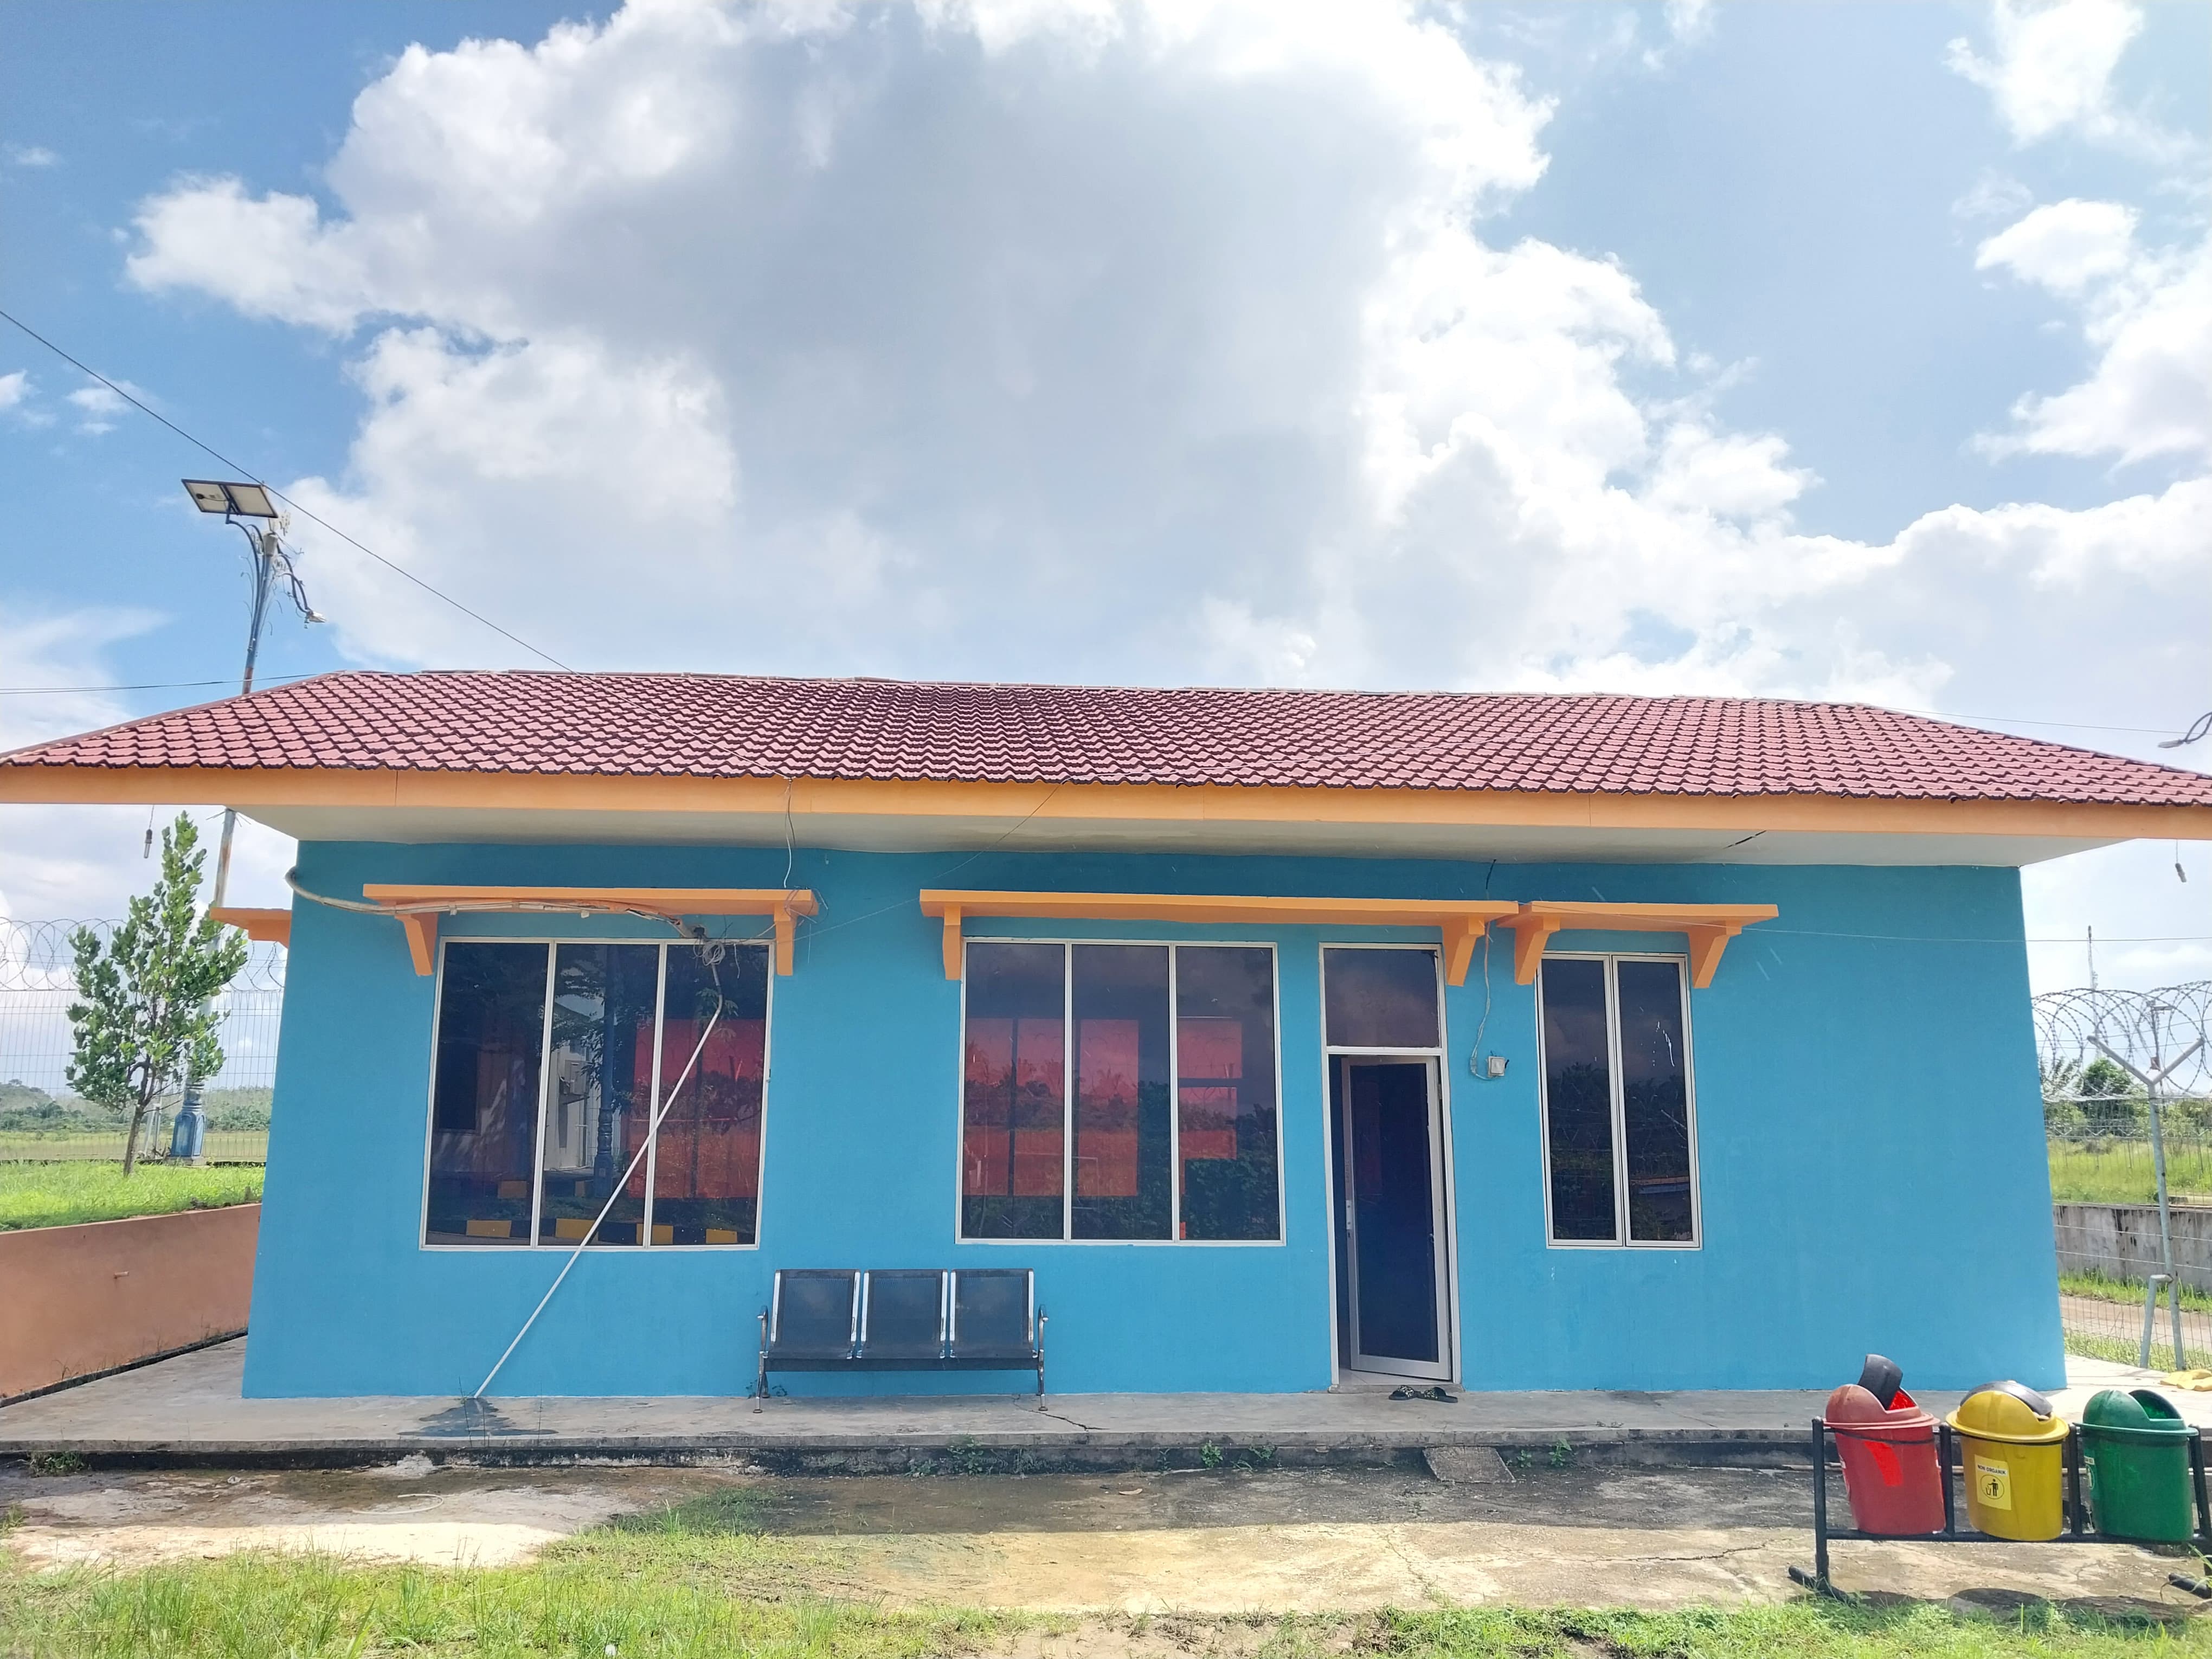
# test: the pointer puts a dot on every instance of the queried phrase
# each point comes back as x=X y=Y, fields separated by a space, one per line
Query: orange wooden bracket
x=267 y=926
x=1462 y=921
x=1708 y=927
x=784 y=905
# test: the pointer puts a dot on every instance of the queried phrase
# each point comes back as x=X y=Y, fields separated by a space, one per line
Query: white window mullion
x=1174 y=1099
x=545 y=1087
x=1067 y=1092
x=653 y=1100
x=1618 y=1102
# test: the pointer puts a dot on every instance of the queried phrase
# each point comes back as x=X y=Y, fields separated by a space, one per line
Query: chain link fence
x=42 y=1119
x=2125 y=1078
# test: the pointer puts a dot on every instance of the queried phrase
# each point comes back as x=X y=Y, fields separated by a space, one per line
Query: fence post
x=2150 y=1314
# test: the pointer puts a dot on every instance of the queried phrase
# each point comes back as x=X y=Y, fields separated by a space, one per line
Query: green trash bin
x=2136 y=1448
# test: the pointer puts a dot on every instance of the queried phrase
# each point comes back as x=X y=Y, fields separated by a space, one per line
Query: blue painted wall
x=1869 y=1139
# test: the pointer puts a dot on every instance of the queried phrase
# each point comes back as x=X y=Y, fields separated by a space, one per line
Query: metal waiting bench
x=904 y=1319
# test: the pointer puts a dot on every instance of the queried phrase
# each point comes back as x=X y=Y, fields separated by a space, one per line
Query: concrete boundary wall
x=2121 y=1241
x=85 y=1299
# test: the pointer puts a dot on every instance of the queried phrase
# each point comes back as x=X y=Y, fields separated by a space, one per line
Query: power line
x=303 y=512
x=147 y=685
x=2009 y=719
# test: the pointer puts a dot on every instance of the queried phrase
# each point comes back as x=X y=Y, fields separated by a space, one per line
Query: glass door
x=1392 y=1164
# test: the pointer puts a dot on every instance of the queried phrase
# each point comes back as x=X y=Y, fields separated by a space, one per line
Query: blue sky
x=1677 y=348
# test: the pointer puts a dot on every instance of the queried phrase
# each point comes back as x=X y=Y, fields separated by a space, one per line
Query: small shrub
x=57 y=1462
x=1563 y=1454
x=1209 y=1455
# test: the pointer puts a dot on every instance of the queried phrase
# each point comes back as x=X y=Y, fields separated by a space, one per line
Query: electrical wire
x=304 y=513
x=711 y=954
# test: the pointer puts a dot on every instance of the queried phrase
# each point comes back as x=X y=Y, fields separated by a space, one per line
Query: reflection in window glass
x=483 y=1113
x=1655 y=1100
x=1380 y=999
x=598 y=1101
x=1120 y=996
x=1578 y=1100
x=1620 y=1142
x=706 y=1179
x=1225 y=1092
x=1014 y=1099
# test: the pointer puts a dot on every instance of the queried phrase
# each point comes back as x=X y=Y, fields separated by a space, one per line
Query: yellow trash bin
x=2012 y=1446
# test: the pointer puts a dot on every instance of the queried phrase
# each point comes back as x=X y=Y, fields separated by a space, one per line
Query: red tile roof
x=728 y=726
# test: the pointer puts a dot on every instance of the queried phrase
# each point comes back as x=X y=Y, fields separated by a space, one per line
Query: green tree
x=2112 y=1102
x=148 y=1010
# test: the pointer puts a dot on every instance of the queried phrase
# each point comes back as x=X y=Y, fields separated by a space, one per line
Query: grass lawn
x=604 y=1594
x=57 y=1194
x=2121 y=1172
x=700 y=1578
x=106 y=1146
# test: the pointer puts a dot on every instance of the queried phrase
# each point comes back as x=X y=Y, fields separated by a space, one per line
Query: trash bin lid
x=2007 y=1411
x=1852 y=1404
x=2141 y=1415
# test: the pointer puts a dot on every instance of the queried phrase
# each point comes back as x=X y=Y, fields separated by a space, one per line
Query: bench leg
x=760 y=1380
x=1040 y=1358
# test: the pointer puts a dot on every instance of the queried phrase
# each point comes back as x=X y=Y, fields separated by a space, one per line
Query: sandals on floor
x=1435 y=1392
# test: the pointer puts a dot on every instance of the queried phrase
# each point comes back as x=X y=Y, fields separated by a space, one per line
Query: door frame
x=1440 y=1368
x=1447 y=1195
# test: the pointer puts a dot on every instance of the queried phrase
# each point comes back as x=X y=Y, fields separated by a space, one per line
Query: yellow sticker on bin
x=1993 y=1484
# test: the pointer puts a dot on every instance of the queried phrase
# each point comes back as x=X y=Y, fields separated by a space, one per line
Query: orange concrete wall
x=87 y=1299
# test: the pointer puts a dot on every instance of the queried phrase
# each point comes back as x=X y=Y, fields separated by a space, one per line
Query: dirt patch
x=1216 y=1546
x=409 y=1511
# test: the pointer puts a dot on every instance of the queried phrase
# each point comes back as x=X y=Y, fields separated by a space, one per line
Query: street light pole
x=238 y=503
x=265 y=553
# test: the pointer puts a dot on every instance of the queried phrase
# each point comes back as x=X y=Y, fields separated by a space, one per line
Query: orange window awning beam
x=1462 y=921
x=419 y=909
x=264 y=927
x=1708 y=927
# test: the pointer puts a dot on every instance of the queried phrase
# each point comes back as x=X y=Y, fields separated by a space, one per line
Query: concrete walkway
x=190 y=1408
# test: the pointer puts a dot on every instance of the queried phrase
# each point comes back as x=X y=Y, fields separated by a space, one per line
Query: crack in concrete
x=1087 y=1428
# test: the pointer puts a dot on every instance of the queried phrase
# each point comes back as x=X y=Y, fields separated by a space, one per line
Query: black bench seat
x=902 y=1319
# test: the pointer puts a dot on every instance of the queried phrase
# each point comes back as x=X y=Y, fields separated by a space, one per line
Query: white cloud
x=2053 y=72
x=2149 y=313
x=98 y=403
x=30 y=156
x=14 y=388
x=1156 y=342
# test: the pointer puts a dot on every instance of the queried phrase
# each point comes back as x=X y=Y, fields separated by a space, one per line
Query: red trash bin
x=1889 y=1472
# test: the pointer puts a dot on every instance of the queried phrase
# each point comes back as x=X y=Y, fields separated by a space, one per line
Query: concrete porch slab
x=189 y=1409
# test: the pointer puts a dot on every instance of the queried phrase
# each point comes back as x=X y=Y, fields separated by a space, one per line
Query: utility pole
x=247 y=506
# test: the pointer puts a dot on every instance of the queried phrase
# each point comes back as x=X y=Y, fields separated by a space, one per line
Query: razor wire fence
x=42 y=1119
x=2127 y=1108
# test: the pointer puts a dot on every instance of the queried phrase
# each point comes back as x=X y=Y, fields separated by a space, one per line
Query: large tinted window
x=1121 y=1131
x=544 y=1090
x=1578 y=1100
x=1617 y=1124
x=1225 y=1092
x=706 y=1166
x=1167 y=1046
x=598 y=1104
x=1380 y=999
x=484 y=1111
x=1655 y=1102
x=1014 y=1101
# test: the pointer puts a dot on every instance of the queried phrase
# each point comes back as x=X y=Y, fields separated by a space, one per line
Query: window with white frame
x=552 y=1064
x=1619 y=1121
x=1169 y=1126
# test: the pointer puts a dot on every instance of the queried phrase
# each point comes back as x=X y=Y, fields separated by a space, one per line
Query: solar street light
x=236 y=501
x=233 y=500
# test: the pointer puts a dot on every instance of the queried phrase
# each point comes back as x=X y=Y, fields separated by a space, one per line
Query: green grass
x=687 y=1596
x=2121 y=1172
x=59 y=1194
x=2129 y=1291
x=106 y=1146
